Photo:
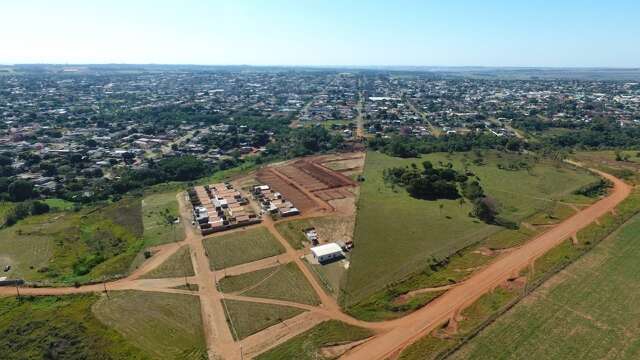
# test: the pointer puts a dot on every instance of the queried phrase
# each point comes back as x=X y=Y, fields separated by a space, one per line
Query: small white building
x=327 y=252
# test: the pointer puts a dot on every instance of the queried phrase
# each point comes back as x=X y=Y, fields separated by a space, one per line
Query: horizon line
x=331 y=66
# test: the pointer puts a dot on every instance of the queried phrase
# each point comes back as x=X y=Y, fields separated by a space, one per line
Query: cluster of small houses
x=219 y=207
x=272 y=202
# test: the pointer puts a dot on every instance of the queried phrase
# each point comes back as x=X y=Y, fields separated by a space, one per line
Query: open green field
x=177 y=265
x=588 y=311
x=165 y=326
x=5 y=208
x=65 y=247
x=248 y=318
x=396 y=235
x=605 y=160
x=157 y=210
x=59 y=204
x=59 y=328
x=27 y=248
x=283 y=282
x=241 y=247
x=308 y=345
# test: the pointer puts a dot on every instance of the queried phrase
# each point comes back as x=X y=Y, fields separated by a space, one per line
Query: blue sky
x=287 y=32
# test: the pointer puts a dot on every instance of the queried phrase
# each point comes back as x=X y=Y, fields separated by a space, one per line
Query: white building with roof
x=327 y=252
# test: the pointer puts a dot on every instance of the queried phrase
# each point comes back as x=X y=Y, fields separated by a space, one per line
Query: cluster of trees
x=24 y=209
x=595 y=189
x=16 y=190
x=428 y=183
x=304 y=141
x=179 y=168
x=407 y=146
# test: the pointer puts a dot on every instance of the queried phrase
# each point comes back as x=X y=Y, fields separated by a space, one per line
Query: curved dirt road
x=410 y=328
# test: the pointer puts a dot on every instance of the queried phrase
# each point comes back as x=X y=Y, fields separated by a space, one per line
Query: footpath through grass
x=177 y=265
x=59 y=328
x=158 y=212
x=397 y=236
x=307 y=345
x=165 y=326
x=283 y=282
x=247 y=318
x=241 y=246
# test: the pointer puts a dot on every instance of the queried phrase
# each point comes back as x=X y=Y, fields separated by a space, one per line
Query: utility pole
x=104 y=284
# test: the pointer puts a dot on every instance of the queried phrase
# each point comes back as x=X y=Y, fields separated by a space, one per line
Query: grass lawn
x=59 y=204
x=5 y=207
x=156 y=208
x=588 y=311
x=27 y=248
x=165 y=326
x=307 y=345
x=59 y=328
x=241 y=247
x=397 y=236
x=249 y=318
x=177 y=265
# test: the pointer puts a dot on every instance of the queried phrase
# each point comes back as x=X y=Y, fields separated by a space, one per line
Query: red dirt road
x=410 y=328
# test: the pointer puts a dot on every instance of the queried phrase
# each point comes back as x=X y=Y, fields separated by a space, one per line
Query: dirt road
x=410 y=328
x=392 y=336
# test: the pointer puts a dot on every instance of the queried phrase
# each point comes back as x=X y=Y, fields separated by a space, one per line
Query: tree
x=39 y=207
x=21 y=190
x=485 y=209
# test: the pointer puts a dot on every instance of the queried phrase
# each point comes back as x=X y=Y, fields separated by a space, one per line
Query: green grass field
x=588 y=311
x=241 y=247
x=59 y=328
x=59 y=204
x=65 y=247
x=307 y=345
x=283 y=282
x=27 y=248
x=396 y=235
x=249 y=318
x=292 y=231
x=177 y=265
x=165 y=326
x=156 y=209
x=5 y=208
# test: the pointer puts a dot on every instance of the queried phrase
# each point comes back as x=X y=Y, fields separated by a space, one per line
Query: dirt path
x=281 y=332
x=265 y=263
x=412 y=327
x=220 y=342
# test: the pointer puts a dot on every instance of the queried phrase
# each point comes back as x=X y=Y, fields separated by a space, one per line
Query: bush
x=39 y=207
